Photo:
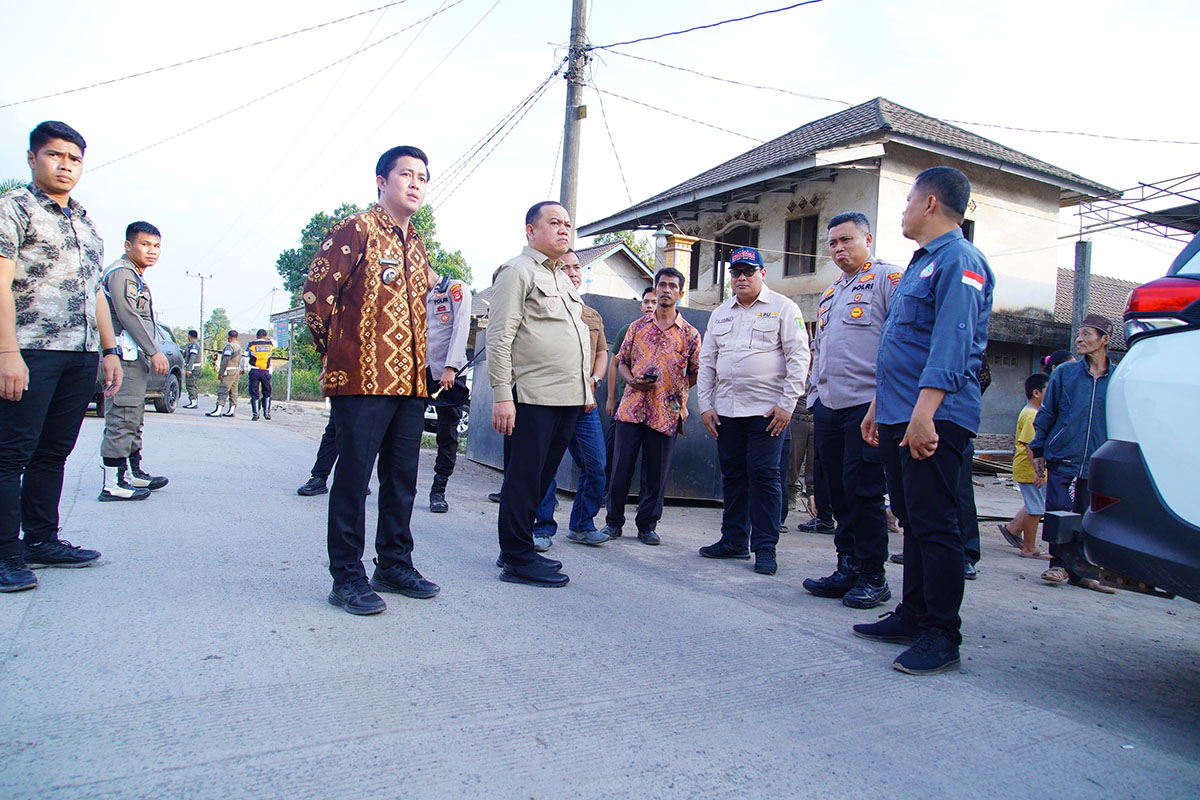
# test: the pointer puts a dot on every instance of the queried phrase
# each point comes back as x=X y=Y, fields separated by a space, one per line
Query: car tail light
x=1102 y=501
x=1161 y=305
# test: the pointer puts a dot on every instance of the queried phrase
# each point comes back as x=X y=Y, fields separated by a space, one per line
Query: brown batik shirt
x=364 y=303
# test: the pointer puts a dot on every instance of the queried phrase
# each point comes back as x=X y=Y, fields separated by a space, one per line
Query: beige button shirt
x=753 y=358
x=538 y=346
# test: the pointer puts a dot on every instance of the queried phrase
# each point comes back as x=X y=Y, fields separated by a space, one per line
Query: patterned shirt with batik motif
x=59 y=257
x=364 y=303
x=673 y=354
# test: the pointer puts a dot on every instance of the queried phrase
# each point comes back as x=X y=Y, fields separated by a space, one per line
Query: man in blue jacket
x=1069 y=427
x=925 y=411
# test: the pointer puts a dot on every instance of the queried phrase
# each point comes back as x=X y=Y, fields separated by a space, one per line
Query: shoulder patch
x=456 y=292
x=131 y=290
x=895 y=277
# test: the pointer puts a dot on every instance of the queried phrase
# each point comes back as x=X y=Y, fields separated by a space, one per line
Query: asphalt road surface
x=200 y=659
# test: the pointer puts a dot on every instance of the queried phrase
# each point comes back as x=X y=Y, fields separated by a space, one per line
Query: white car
x=464 y=422
x=1144 y=518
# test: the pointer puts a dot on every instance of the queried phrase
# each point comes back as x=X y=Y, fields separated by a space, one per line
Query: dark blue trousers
x=531 y=456
x=856 y=485
x=749 y=459
x=968 y=515
x=925 y=499
x=327 y=450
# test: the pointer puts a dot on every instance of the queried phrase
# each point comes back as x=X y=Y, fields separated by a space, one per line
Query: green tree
x=292 y=263
x=8 y=184
x=442 y=260
x=636 y=243
x=215 y=329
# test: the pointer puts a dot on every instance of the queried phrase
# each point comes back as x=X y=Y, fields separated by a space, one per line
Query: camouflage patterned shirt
x=59 y=257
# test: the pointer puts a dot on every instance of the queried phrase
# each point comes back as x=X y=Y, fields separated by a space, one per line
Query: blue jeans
x=587 y=448
x=749 y=459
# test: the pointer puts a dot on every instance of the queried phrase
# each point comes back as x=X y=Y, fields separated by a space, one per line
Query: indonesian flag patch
x=973 y=279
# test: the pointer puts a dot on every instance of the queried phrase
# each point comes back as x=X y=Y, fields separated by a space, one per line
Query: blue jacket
x=1071 y=423
x=935 y=333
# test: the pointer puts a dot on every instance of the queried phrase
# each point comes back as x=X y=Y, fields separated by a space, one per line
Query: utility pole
x=202 y=278
x=1083 y=285
x=576 y=111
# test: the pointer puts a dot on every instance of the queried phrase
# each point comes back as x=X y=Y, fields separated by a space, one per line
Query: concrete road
x=200 y=659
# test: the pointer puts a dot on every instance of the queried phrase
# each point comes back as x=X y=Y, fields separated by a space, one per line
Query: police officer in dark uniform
x=191 y=368
x=258 y=353
x=925 y=412
x=132 y=311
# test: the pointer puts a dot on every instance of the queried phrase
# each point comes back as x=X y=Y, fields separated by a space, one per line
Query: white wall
x=614 y=276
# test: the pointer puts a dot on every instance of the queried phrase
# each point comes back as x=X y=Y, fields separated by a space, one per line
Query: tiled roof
x=1106 y=297
x=589 y=254
x=860 y=123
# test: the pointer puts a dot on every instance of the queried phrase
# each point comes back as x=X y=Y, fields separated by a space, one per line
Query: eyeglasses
x=743 y=271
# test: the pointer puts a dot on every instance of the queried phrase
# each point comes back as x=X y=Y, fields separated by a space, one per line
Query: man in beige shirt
x=539 y=361
x=752 y=369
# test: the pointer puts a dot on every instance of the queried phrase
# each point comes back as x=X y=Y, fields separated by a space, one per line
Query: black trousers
x=448 y=418
x=968 y=515
x=924 y=498
x=629 y=439
x=856 y=485
x=327 y=450
x=37 y=433
x=368 y=426
x=749 y=459
x=260 y=385
x=532 y=455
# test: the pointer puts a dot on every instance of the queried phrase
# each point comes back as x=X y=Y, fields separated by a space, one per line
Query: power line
x=703 y=27
x=611 y=141
x=202 y=58
x=1073 y=133
x=681 y=116
x=554 y=169
x=275 y=91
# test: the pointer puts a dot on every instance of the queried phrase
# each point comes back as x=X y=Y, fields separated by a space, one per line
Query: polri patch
x=925 y=273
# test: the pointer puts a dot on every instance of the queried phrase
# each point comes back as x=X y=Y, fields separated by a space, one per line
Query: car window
x=1187 y=262
x=1191 y=266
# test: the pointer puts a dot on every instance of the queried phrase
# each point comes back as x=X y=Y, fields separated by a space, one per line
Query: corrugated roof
x=1106 y=297
x=857 y=124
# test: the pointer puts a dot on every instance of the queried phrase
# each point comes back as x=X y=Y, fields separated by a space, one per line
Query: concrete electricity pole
x=576 y=111
x=1083 y=287
x=202 y=278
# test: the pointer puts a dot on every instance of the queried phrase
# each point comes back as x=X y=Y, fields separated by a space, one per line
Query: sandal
x=1056 y=575
x=1034 y=554
x=1009 y=536
x=1094 y=585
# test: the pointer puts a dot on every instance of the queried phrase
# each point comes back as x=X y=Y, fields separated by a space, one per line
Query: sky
x=230 y=194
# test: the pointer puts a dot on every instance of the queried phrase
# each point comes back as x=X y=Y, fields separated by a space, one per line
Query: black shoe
x=437 y=496
x=612 y=531
x=314 y=486
x=538 y=558
x=15 y=576
x=816 y=525
x=969 y=571
x=356 y=597
x=254 y=416
x=649 y=537
x=764 y=561
x=494 y=497
x=266 y=408
x=724 y=549
x=58 y=553
x=533 y=575
x=139 y=478
x=869 y=591
x=836 y=585
x=933 y=653
x=405 y=580
x=892 y=627
x=896 y=558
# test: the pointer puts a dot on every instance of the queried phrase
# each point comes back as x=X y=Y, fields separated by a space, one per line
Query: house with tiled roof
x=1106 y=297
x=780 y=195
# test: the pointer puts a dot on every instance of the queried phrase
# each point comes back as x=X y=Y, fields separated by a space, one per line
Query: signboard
x=282 y=331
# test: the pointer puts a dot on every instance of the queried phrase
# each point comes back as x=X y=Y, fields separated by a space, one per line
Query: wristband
x=111 y=351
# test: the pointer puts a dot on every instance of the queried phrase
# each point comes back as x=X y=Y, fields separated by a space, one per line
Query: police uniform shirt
x=192 y=356
x=849 y=320
x=935 y=333
x=448 y=322
x=754 y=358
x=258 y=353
x=231 y=358
x=130 y=304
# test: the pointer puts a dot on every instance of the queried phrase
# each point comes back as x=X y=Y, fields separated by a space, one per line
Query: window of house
x=801 y=246
x=740 y=236
x=968 y=229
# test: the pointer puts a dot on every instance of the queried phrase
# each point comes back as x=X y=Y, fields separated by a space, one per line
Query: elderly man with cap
x=1069 y=427
x=753 y=364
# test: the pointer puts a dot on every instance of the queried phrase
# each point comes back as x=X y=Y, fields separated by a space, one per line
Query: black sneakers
x=356 y=597
x=537 y=557
x=649 y=537
x=816 y=525
x=314 y=486
x=764 y=561
x=14 y=575
x=724 y=549
x=932 y=654
x=836 y=585
x=403 y=579
x=58 y=553
x=869 y=591
x=892 y=627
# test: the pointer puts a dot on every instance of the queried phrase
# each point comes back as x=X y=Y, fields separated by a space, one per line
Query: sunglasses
x=743 y=271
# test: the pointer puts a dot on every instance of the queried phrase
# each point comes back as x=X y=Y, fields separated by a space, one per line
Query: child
x=1028 y=481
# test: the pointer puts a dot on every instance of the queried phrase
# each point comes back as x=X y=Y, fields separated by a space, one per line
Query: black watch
x=111 y=351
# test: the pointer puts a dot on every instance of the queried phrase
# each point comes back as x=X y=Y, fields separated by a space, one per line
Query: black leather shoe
x=816 y=525
x=836 y=585
x=494 y=497
x=534 y=575
x=649 y=537
x=896 y=558
x=58 y=553
x=314 y=486
x=724 y=549
x=356 y=597
x=764 y=561
x=969 y=571
x=933 y=653
x=538 y=559
x=868 y=591
x=894 y=627
x=15 y=575
x=403 y=579
x=437 y=495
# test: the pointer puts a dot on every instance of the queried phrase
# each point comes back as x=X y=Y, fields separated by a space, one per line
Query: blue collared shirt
x=935 y=333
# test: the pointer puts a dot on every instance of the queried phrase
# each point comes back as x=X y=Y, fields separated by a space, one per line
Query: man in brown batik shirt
x=365 y=306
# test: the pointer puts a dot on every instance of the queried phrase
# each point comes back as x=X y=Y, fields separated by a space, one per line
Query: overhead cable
x=703 y=27
x=611 y=141
x=681 y=116
x=203 y=58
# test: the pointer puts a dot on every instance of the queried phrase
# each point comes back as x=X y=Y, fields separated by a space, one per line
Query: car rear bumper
x=1139 y=535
